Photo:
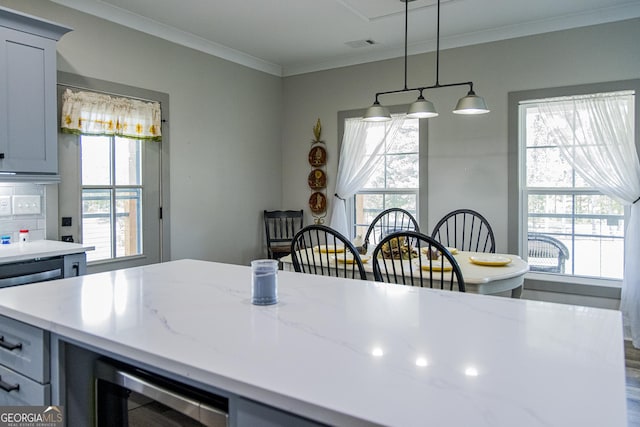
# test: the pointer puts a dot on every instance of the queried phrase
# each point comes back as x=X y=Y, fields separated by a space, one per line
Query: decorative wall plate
x=317 y=179
x=318 y=202
x=317 y=156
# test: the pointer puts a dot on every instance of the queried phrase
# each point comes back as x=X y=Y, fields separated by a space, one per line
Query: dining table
x=483 y=273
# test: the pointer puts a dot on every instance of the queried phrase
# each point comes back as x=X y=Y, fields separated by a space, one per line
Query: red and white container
x=23 y=237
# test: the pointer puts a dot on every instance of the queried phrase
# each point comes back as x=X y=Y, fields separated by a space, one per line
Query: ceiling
x=288 y=37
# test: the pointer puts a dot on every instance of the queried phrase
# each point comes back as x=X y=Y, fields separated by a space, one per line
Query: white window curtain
x=596 y=135
x=91 y=113
x=363 y=144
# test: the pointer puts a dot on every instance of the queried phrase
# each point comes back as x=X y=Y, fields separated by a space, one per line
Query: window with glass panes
x=111 y=196
x=395 y=183
x=558 y=203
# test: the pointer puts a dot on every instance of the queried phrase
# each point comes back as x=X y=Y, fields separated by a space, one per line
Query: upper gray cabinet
x=28 y=124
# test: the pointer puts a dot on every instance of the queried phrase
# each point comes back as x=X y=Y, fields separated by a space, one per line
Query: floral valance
x=90 y=113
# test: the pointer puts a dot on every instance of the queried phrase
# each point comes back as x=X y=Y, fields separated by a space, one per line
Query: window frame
x=421 y=199
x=68 y=203
x=597 y=287
x=113 y=187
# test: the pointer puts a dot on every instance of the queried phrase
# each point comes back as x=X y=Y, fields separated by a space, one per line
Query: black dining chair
x=546 y=253
x=465 y=230
x=280 y=227
x=386 y=222
x=415 y=259
x=318 y=249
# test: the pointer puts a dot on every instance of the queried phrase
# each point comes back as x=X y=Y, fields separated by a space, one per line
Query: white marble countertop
x=346 y=351
x=39 y=249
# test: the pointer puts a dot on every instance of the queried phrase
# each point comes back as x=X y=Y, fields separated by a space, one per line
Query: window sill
x=584 y=286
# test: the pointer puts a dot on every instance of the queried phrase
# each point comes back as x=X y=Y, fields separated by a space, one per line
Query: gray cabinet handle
x=8 y=345
x=8 y=387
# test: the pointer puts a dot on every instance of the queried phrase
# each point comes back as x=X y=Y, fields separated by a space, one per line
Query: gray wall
x=225 y=129
x=467 y=156
x=240 y=137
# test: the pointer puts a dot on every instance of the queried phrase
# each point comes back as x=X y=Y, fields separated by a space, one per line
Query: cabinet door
x=28 y=112
x=25 y=349
x=75 y=265
x=18 y=390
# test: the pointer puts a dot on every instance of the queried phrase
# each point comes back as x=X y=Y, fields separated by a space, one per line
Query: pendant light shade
x=422 y=109
x=471 y=104
x=377 y=113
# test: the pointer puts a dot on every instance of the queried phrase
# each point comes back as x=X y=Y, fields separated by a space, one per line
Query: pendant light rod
x=421 y=88
x=473 y=104
x=437 y=84
x=406 y=31
x=438 y=47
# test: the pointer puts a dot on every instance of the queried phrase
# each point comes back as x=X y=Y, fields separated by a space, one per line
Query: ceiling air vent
x=361 y=43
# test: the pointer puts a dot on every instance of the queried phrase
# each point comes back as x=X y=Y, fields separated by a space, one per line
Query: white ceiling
x=288 y=37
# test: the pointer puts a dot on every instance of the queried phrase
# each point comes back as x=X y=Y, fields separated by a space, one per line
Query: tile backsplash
x=18 y=213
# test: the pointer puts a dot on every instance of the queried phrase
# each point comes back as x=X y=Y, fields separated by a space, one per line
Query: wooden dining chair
x=403 y=258
x=318 y=249
x=280 y=227
x=465 y=230
x=388 y=221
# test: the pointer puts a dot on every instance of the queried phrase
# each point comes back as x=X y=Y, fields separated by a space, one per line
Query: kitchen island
x=340 y=351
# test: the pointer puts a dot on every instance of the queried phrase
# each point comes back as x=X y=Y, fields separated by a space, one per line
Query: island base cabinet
x=253 y=414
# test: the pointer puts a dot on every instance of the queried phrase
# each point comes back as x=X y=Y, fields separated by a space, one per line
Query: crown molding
x=172 y=34
x=120 y=16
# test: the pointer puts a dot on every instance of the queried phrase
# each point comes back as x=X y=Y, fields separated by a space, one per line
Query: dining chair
x=280 y=227
x=465 y=230
x=415 y=259
x=546 y=253
x=388 y=221
x=318 y=249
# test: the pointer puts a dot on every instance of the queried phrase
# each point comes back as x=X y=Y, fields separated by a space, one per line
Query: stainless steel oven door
x=36 y=270
x=127 y=396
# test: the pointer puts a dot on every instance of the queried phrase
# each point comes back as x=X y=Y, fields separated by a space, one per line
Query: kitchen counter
x=347 y=352
x=16 y=252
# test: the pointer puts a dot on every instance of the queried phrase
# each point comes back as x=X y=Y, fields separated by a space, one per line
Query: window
x=395 y=184
x=558 y=203
x=111 y=152
x=111 y=182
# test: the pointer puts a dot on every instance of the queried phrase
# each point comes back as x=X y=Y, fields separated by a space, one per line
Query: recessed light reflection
x=397 y=290
x=421 y=361
x=471 y=372
x=377 y=351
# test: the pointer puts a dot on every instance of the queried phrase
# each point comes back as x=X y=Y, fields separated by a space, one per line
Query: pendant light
x=423 y=108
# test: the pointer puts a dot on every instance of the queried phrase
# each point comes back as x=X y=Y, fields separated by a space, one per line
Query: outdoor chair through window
x=546 y=253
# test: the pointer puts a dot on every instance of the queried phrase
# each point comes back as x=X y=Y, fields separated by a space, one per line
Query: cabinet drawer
x=30 y=356
x=28 y=392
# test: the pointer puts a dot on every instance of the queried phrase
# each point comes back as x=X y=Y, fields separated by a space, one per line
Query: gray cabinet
x=24 y=364
x=28 y=128
x=75 y=265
